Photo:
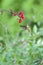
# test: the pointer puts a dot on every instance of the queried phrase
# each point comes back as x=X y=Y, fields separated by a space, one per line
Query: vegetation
x=19 y=44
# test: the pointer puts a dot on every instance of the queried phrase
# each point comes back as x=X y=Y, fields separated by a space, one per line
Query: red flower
x=21 y=15
x=20 y=20
x=14 y=14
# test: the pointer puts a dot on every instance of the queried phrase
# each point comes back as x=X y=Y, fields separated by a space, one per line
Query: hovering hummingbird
x=26 y=27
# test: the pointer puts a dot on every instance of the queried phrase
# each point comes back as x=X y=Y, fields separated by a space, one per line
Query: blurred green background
x=18 y=46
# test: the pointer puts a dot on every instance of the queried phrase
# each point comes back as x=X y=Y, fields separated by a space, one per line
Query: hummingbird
x=26 y=27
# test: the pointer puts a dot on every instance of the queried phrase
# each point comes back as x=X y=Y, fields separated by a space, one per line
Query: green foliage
x=18 y=46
